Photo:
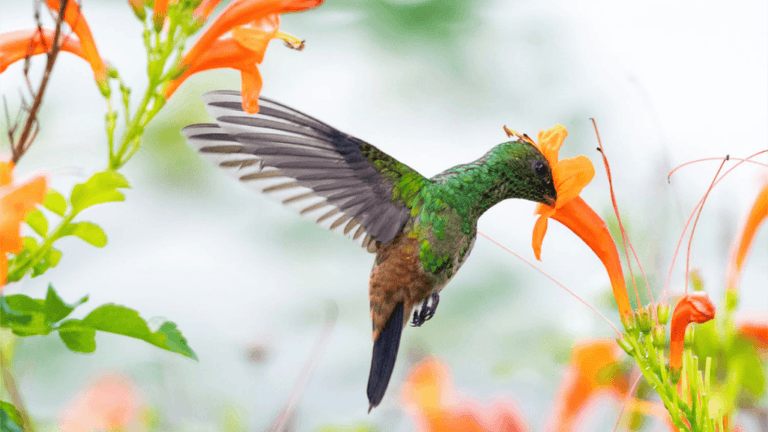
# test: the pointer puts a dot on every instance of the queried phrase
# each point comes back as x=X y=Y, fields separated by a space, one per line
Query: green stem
x=19 y=270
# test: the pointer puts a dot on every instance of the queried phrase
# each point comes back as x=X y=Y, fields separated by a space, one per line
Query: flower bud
x=626 y=346
x=138 y=9
x=694 y=307
x=659 y=336
x=644 y=320
x=662 y=313
x=629 y=322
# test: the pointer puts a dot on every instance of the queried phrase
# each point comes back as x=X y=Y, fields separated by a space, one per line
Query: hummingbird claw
x=426 y=310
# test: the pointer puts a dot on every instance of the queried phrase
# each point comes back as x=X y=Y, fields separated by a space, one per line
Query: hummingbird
x=421 y=229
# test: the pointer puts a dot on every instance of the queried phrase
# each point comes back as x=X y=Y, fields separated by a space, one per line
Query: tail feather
x=384 y=355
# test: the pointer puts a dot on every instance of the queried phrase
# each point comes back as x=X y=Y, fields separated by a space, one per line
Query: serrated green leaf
x=121 y=320
x=78 y=336
x=50 y=259
x=55 y=202
x=100 y=188
x=55 y=309
x=10 y=418
x=36 y=220
x=175 y=340
x=87 y=231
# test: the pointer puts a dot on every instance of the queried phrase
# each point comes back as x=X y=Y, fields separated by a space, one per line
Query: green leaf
x=87 y=231
x=78 y=336
x=121 y=320
x=10 y=418
x=50 y=259
x=10 y=317
x=55 y=202
x=100 y=188
x=55 y=309
x=30 y=317
x=36 y=220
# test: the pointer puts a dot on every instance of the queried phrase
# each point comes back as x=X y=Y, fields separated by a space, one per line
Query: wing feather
x=341 y=182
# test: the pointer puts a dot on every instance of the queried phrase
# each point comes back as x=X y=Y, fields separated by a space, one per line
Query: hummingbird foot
x=426 y=311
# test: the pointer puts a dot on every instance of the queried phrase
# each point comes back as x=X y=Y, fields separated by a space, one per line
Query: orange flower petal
x=549 y=142
x=6 y=172
x=241 y=12
x=17 y=45
x=225 y=53
x=203 y=11
x=15 y=203
x=77 y=23
x=588 y=374
x=585 y=223
x=251 y=87
x=571 y=176
x=694 y=307
x=539 y=230
x=743 y=244
x=257 y=36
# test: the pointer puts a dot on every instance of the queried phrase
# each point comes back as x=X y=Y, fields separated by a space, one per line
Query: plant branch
x=9 y=382
x=29 y=131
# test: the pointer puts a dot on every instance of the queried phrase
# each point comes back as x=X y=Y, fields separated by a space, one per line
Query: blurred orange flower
x=109 y=403
x=743 y=243
x=753 y=326
x=594 y=370
x=17 y=45
x=16 y=200
x=694 y=307
x=571 y=175
x=246 y=48
x=76 y=21
x=432 y=401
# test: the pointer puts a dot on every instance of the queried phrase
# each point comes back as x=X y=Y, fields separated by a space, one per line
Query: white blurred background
x=431 y=83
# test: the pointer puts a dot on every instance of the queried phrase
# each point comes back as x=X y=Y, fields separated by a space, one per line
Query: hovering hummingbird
x=421 y=229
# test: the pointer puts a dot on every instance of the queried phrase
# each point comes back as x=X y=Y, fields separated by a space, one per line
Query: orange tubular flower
x=571 y=175
x=431 y=399
x=110 y=403
x=76 y=21
x=743 y=243
x=594 y=370
x=245 y=49
x=694 y=307
x=16 y=200
x=17 y=45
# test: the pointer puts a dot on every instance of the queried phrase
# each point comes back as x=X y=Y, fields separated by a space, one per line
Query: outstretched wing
x=346 y=184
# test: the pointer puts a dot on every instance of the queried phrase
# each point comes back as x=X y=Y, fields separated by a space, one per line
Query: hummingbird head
x=529 y=173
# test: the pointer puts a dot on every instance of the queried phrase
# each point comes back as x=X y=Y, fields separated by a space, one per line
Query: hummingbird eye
x=540 y=168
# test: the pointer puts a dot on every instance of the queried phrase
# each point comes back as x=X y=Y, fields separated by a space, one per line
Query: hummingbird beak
x=549 y=200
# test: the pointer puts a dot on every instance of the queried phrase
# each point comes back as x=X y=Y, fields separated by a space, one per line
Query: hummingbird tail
x=384 y=355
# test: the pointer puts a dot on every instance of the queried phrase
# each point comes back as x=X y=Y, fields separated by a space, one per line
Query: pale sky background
x=667 y=81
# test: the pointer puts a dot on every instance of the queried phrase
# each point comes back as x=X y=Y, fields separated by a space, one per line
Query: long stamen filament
x=701 y=207
x=669 y=176
x=624 y=237
x=682 y=235
x=553 y=280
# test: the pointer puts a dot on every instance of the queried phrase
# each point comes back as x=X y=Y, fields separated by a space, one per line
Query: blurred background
x=430 y=82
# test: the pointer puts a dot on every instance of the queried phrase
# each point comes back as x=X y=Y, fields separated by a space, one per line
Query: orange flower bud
x=76 y=21
x=743 y=243
x=694 y=307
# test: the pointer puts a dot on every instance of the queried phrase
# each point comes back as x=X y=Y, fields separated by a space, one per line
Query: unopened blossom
x=695 y=307
x=16 y=200
x=431 y=399
x=76 y=21
x=571 y=175
x=252 y=24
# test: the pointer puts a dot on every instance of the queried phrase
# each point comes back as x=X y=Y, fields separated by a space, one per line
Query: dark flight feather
x=384 y=355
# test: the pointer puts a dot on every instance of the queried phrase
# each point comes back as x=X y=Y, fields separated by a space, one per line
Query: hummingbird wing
x=346 y=184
